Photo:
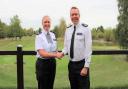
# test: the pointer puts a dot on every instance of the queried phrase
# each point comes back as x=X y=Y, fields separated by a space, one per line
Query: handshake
x=59 y=55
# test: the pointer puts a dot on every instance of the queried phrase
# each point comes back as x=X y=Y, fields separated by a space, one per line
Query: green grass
x=106 y=72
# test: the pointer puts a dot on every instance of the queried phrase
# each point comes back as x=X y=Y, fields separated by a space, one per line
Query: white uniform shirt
x=82 y=43
x=42 y=43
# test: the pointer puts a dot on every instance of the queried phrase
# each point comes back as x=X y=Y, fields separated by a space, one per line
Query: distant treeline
x=14 y=29
x=107 y=34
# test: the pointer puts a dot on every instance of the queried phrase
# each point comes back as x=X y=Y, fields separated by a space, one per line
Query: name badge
x=79 y=34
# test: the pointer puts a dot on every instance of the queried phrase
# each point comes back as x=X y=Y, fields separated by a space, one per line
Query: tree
x=24 y=32
x=94 y=33
x=3 y=31
x=122 y=27
x=39 y=30
x=30 y=32
x=15 y=27
x=100 y=28
x=56 y=31
x=61 y=28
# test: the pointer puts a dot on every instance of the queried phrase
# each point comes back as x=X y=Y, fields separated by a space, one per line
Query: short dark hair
x=74 y=7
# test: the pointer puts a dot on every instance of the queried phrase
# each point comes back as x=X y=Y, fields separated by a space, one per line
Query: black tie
x=72 y=43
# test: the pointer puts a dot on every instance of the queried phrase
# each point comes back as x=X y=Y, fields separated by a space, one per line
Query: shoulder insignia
x=53 y=32
x=69 y=26
x=85 y=25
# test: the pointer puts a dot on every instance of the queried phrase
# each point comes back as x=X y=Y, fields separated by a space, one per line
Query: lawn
x=106 y=72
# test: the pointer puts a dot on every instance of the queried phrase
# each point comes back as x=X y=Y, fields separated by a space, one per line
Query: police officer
x=45 y=45
x=77 y=44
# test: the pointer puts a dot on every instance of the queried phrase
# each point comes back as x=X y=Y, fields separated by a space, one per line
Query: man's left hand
x=84 y=71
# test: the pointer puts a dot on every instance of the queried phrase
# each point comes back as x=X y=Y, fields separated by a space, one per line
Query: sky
x=92 y=12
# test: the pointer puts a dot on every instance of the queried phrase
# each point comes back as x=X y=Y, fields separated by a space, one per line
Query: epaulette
x=85 y=25
x=69 y=26
x=52 y=32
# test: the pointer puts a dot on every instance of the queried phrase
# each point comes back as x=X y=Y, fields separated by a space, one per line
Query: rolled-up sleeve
x=88 y=48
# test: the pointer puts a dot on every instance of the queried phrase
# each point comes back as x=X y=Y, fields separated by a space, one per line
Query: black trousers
x=76 y=80
x=45 y=73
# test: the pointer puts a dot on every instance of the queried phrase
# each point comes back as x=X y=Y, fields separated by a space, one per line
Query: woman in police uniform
x=45 y=45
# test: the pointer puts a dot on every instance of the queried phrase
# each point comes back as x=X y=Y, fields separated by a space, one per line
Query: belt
x=45 y=59
x=83 y=60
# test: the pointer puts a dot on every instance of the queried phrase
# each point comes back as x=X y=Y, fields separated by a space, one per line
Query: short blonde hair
x=46 y=16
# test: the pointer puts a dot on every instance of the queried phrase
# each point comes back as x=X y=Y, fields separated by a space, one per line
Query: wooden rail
x=20 y=53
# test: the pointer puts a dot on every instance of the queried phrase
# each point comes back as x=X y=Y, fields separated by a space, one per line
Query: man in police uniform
x=77 y=45
x=45 y=45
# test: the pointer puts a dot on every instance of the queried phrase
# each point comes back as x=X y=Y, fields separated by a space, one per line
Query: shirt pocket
x=79 y=37
x=79 y=42
x=54 y=40
x=54 y=44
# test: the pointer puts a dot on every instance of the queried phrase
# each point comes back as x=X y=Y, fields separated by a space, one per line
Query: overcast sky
x=93 y=12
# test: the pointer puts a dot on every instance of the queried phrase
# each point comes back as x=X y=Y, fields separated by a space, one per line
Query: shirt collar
x=45 y=32
x=77 y=26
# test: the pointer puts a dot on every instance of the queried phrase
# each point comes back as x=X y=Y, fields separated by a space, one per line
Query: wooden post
x=20 y=77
